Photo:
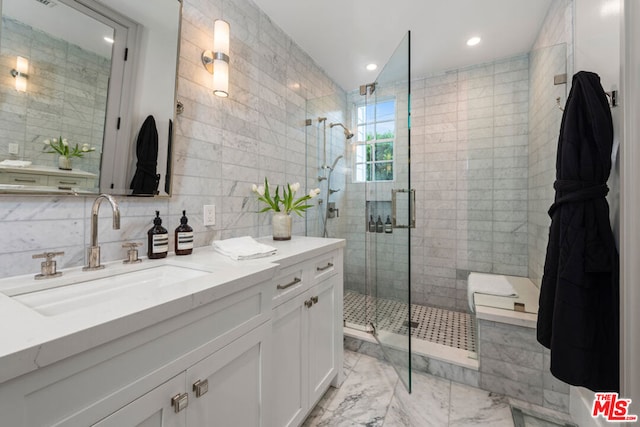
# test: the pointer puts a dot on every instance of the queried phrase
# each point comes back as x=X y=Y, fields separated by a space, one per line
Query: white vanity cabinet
x=248 y=344
x=131 y=381
x=307 y=336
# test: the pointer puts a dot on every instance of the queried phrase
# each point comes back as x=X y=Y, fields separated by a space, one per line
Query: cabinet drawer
x=288 y=283
x=22 y=179
x=325 y=266
x=67 y=182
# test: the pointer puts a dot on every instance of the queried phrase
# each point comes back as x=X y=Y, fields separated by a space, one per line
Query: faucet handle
x=132 y=252
x=47 y=267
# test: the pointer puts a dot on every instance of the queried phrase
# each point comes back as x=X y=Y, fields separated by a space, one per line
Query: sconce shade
x=20 y=73
x=221 y=37
x=220 y=78
x=22 y=65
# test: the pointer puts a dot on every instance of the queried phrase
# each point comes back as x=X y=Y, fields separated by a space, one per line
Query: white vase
x=281 y=226
x=64 y=163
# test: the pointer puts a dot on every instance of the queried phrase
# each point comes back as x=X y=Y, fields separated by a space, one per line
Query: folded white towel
x=241 y=248
x=16 y=163
x=491 y=284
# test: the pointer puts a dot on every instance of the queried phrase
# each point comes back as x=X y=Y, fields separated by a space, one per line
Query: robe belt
x=577 y=191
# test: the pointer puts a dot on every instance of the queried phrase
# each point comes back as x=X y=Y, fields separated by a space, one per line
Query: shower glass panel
x=382 y=159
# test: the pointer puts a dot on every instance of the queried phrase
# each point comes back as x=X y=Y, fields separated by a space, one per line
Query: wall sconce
x=217 y=61
x=20 y=73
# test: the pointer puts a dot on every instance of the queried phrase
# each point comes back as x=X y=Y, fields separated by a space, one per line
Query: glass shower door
x=389 y=201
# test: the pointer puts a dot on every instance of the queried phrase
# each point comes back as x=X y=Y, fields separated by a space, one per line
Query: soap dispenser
x=184 y=237
x=379 y=225
x=158 y=239
x=372 y=224
x=388 y=227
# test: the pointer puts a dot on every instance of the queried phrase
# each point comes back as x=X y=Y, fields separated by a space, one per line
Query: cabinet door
x=290 y=397
x=323 y=335
x=233 y=383
x=152 y=409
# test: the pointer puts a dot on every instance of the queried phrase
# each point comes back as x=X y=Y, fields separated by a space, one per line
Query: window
x=376 y=124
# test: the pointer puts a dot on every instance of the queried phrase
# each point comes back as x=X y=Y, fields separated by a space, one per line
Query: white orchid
x=314 y=192
x=295 y=187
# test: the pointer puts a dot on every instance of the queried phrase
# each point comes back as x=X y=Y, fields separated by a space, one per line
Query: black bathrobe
x=146 y=179
x=578 y=314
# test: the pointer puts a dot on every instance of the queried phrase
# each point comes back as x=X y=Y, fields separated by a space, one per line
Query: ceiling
x=343 y=36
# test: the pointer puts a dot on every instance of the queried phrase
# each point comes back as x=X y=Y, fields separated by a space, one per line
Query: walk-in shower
x=481 y=166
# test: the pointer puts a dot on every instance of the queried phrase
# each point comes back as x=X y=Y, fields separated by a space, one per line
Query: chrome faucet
x=94 y=250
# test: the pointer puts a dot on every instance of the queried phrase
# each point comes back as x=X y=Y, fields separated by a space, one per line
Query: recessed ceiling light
x=108 y=39
x=372 y=67
x=473 y=41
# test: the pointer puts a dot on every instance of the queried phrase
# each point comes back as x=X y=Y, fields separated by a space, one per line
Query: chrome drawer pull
x=67 y=182
x=201 y=387
x=24 y=180
x=329 y=265
x=308 y=303
x=180 y=402
x=314 y=300
x=291 y=283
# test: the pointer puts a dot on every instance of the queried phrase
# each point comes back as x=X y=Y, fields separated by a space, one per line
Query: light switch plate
x=14 y=149
x=209 y=215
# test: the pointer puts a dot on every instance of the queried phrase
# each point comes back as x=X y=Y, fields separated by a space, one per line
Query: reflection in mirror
x=95 y=71
x=65 y=95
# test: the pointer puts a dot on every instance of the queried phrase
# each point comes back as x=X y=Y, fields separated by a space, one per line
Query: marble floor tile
x=427 y=405
x=474 y=407
x=349 y=361
x=366 y=393
x=372 y=396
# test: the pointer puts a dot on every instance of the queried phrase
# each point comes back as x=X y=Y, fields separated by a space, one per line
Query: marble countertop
x=31 y=340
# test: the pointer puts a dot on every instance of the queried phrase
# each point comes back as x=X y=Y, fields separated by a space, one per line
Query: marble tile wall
x=66 y=96
x=469 y=169
x=513 y=363
x=222 y=146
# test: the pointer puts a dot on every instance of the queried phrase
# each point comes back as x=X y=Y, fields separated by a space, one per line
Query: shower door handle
x=412 y=208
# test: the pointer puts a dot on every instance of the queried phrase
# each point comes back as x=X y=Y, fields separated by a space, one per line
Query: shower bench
x=511 y=360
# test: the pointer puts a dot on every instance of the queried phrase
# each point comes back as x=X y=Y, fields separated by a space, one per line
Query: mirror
x=90 y=72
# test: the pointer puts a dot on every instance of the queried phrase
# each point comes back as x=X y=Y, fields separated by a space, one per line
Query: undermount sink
x=107 y=290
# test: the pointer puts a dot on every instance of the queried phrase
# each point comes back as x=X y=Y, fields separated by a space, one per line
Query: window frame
x=373 y=143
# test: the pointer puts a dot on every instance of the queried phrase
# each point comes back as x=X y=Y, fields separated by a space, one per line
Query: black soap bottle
x=184 y=237
x=158 y=243
x=372 y=224
x=388 y=228
x=379 y=225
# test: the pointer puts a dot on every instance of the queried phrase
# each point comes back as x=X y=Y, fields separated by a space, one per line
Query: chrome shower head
x=347 y=133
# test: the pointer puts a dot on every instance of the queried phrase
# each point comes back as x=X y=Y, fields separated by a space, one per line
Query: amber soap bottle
x=158 y=245
x=184 y=237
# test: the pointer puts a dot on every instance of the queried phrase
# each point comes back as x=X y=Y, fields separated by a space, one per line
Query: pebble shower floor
x=446 y=327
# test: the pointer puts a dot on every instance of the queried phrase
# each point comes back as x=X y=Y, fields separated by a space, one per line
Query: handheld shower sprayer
x=347 y=133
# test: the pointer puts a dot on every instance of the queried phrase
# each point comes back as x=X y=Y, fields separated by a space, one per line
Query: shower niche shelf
x=375 y=209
